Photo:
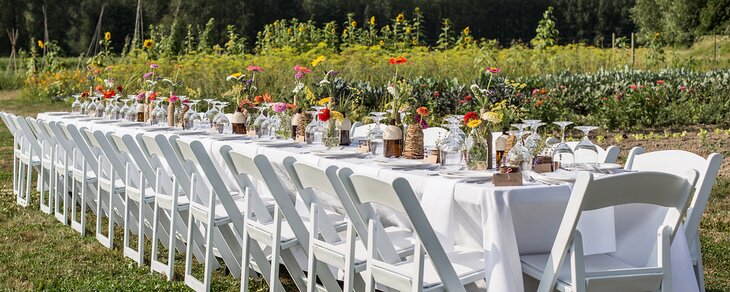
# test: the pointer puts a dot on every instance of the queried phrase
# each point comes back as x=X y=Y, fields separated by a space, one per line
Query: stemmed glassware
x=533 y=141
x=222 y=123
x=563 y=153
x=76 y=105
x=212 y=111
x=100 y=108
x=585 y=147
x=159 y=114
x=260 y=122
x=125 y=108
x=519 y=153
x=191 y=119
x=375 y=135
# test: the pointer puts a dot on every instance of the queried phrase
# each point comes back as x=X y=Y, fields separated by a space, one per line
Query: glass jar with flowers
x=331 y=137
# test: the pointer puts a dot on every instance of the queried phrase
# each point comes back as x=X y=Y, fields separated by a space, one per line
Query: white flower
x=109 y=83
x=298 y=88
x=324 y=82
x=391 y=89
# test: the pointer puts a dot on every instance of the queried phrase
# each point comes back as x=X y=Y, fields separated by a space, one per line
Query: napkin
x=438 y=204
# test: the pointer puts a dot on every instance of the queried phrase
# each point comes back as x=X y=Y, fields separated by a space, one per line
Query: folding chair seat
x=28 y=154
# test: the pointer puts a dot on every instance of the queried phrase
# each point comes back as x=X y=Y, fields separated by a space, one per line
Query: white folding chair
x=87 y=175
x=431 y=269
x=324 y=190
x=605 y=272
x=608 y=155
x=11 y=124
x=283 y=232
x=362 y=131
x=353 y=127
x=110 y=182
x=432 y=135
x=676 y=162
x=47 y=166
x=213 y=206
x=171 y=203
x=65 y=167
x=29 y=158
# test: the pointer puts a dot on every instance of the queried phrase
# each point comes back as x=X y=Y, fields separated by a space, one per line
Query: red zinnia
x=470 y=116
x=109 y=93
x=397 y=60
x=119 y=88
x=324 y=114
x=660 y=82
x=99 y=88
x=467 y=98
x=493 y=70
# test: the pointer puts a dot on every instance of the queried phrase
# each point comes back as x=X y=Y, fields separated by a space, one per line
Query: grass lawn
x=39 y=253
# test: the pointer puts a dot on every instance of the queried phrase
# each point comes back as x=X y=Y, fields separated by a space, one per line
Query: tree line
x=72 y=23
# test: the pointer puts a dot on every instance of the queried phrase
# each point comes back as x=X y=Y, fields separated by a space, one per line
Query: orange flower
x=267 y=97
x=258 y=99
x=539 y=102
x=397 y=60
x=423 y=111
x=99 y=88
x=660 y=82
x=291 y=106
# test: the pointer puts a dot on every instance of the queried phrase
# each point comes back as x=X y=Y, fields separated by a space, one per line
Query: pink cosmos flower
x=147 y=75
x=279 y=107
x=302 y=69
x=299 y=75
x=254 y=68
x=633 y=86
x=493 y=70
x=154 y=66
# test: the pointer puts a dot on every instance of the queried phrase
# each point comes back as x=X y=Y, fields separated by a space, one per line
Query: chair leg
x=27 y=184
x=171 y=245
x=275 y=249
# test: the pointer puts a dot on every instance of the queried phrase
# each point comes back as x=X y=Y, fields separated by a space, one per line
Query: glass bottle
x=393 y=140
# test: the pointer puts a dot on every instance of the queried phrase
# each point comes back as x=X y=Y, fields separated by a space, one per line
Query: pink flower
x=279 y=107
x=493 y=70
x=682 y=88
x=154 y=66
x=140 y=96
x=254 y=68
x=535 y=91
x=173 y=98
x=147 y=75
x=302 y=69
x=299 y=75
x=633 y=86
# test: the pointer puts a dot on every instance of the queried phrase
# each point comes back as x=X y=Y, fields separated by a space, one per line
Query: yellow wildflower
x=107 y=36
x=474 y=123
x=372 y=21
x=236 y=75
x=318 y=60
x=344 y=32
x=148 y=43
x=276 y=23
x=338 y=116
x=467 y=39
x=324 y=101
x=302 y=28
x=353 y=23
x=467 y=30
x=289 y=30
x=41 y=44
x=492 y=117
x=382 y=43
x=408 y=29
x=400 y=18
x=657 y=35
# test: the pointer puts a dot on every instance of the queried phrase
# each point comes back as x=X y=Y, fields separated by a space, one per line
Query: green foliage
x=547 y=33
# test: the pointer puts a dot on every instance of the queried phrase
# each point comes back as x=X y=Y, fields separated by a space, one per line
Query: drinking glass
x=585 y=148
x=76 y=105
x=519 y=153
x=212 y=111
x=375 y=135
x=100 y=108
x=260 y=121
x=533 y=141
x=563 y=153
x=222 y=123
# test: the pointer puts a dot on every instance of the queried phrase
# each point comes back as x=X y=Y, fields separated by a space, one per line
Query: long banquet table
x=505 y=222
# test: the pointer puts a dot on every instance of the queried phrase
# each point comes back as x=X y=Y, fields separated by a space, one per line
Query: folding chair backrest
x=364 y=130
x=256 y=205
x=80 y=142
x=399 y=196
x=28 y=134
x=158 y=153
x=678 y=162
x=195 y=153
x=667 y=190
x=608 y=155
x=260 y=170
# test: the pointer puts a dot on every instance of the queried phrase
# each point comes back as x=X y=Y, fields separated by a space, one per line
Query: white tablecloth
x=504 y=221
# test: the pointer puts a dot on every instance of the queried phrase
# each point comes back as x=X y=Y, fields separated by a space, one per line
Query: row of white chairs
x=169 y=190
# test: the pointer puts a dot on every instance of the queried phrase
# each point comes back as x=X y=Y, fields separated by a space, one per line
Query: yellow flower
x=467 y=30
x=408 y=29
x=467 y=39
x=324 y=101
x=148 y=43
x=353 y=23
x=382 y=43
x=474 y=123
x=107 y=36
x=400 y=18
x=337 y=115
x=41 y=44
x=236 y=75
x=492 y=117
x=276 y=23
x=372 y=21
x=302 y=28
x=318 y=60
x=344 y=33
x=657 y=35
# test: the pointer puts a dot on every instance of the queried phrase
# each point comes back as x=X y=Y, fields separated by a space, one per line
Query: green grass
x=39 y=253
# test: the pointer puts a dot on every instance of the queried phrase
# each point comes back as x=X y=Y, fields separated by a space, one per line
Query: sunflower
x=148 y=43
x=107 y=36
x=467 y=30
x=353 y=24
x=41 y=44
x=372 y=21
x=400 y=18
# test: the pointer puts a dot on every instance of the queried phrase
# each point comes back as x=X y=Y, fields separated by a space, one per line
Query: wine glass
x=519 y=154
x=125 y=107
x=585 y=147
x=191 y=117
x=533 y=141
x=222 y=123
x=212 y=111
x=100 y=109
x=159 y=113
x=76 y=105
x=563 y=153
x=375 y=135
x=259 y=122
